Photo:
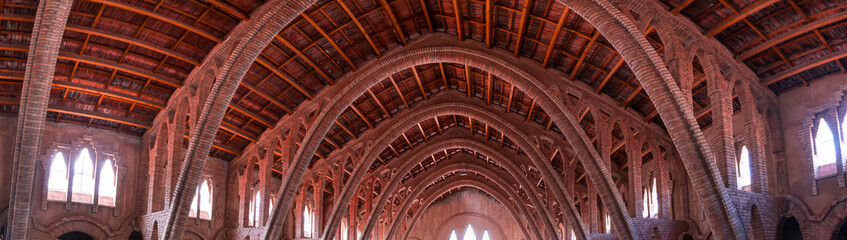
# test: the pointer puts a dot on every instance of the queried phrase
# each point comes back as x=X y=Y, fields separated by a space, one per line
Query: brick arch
x=444 y=105
x=87 y=225
x=462 y=139
x=435 y=51
x=502 y=192
x=671 y=105
x=429 y=200
x=430 y=176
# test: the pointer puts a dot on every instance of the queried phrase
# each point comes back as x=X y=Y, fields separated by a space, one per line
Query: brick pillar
x=754 y=135
x=633 y=158
x=721 y=138
x=265 y=177
x=50 y=19
x=662 y=182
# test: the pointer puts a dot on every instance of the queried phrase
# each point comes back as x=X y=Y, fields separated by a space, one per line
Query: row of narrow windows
x=469 y=234
x=84 y=180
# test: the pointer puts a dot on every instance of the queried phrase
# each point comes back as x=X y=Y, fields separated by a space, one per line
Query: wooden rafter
x=151 y=14
x=329 y=39
x=489 y=25
x=229 y=9
x=805 y=66
x=559 y=26
x=285 y=78
x=522 y=25
x=457 y=10
x=426 y=15
x=398 y=91
x=358 y=25
x=418 y=81
x=585 y=50
x=394 y=23
x=379 y=103
x=744 y=13
x=681 y=6
x=303 y=56
x=806 y=28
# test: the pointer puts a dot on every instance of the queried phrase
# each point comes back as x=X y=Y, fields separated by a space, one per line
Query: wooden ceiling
x=121 y=60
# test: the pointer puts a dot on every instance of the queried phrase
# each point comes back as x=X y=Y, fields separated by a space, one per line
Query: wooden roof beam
x=101 y=62
x=394 y=23
x=741 y=15
x=418 y=81
x=359 y=26
x=559 y=26
x=803 y=67
x=426 y=15
x=361 y=115
x=806 y=28
x=154 y=15
x=584 y=54
x=398 y=91
x=378 y=102
x=84 y=113
x=457 y=10
x=329 y=39
x=489 y=24
x=229 y=9
x=522 y=26
x=285 y=78
x=681 y=6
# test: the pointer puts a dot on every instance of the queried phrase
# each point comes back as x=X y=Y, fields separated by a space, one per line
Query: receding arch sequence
x=434 y=51
x=461 y=139
x=446 y=104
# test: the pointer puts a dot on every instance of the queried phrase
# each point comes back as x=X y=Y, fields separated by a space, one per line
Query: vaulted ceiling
x=120 y=61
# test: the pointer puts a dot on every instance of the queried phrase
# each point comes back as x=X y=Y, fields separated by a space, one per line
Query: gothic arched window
x=201 y=205
x=255 y=211
x=485 y=235
x=108 y=185
x=343 y=232
x=308 y=221
x=83 y=185
x=745 y=177
x=453 y=235
x=469 y=235
x=824 y=150
x=57 y=181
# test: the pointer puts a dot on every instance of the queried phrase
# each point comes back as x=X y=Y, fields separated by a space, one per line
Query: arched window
x=744 y=174
x=108 y=185
x=469 y=235
x=485 y=235
x=608 y=222
x=824 y=151
x=271 y=202
x=83 y=185
x=573 y=235
x=453 y=235
x=650 y=199
x=192 y=212
x=255 y=211
x=343 y=232
x=57 y=181
x=202 y=202
x=205 y=200
x=308 y=221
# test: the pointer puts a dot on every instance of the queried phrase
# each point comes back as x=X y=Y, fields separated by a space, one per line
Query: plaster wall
x=795 y=105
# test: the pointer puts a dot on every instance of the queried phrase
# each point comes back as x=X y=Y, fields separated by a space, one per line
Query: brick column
x=50 y=19
x=721 y=138
x=633 y=158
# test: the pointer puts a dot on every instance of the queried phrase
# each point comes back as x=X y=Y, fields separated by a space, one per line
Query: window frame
x=98 y=154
